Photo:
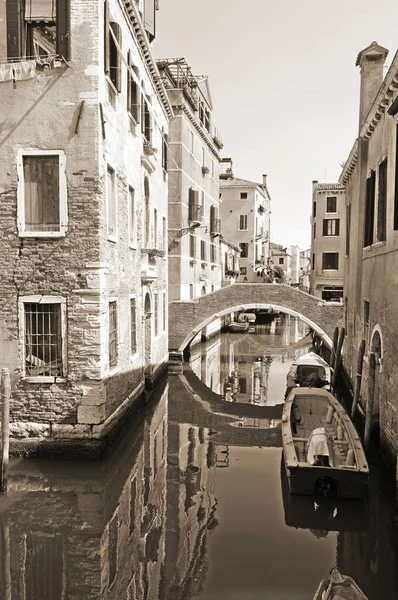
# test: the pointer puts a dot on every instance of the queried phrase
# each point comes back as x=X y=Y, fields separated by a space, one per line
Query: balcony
x=149 y=271
x=148 y=158
x=217 y=139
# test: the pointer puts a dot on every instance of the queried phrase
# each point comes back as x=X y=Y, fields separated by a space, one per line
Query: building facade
x=328 y=241
x=245 y=217
x=83 y=253
x=370 y=177
x=305 y=270
x=193 y=165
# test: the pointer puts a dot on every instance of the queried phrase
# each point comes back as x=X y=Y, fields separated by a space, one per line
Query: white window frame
x=112 y=238
x=132 y=220
x=63 y=208
x=244 y=222
x=38 y=299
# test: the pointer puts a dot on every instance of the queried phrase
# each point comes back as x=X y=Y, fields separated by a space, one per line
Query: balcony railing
x=149 y=271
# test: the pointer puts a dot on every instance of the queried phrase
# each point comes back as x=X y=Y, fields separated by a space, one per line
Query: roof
x=329 y=186
x=236 y=182
x=374 y=50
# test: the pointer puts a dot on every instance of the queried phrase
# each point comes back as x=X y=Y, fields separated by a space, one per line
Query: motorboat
x=309 y=370
x=236 y=327
x=322 y=451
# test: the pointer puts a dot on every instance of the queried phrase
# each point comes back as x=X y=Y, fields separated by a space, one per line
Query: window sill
x=45 y=379
x=330 y=270
x=112 y=239
x=42 y=234
x=114 y=371
x=331 y=213
x=133 y=246
x=374 y=246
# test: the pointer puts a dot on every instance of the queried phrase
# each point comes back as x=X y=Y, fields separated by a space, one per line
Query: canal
x=191 y=503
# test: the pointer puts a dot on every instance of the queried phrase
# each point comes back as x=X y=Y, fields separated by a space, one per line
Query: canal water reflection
x=192 y=502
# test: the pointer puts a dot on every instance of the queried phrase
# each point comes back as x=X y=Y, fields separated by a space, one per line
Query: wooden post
x=337 y=361
x=5 y=426
x=371 y=395
x=5 y=585
x=334 y=346
x=358 y=382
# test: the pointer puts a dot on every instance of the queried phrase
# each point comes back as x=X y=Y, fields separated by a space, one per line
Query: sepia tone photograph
x=198 y=291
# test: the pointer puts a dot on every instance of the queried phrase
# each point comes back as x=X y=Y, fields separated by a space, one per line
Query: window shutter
x=107 y=62
x=149 y=18
x=325 y=227
x=337 y=226
x=117 y=31
x=129 y=81
x=63 y=28
x=13 y=15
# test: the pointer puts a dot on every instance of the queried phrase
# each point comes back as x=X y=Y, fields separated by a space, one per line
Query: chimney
x=371 y=61
x=264 y=180
x=314 y=184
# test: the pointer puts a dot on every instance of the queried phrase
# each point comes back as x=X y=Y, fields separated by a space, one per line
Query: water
x=192 y=503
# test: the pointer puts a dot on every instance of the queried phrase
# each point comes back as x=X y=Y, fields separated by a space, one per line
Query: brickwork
x=83 y=266
x=186 y=318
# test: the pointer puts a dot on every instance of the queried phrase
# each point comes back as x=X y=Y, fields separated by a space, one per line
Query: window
x=165 y=141
x=43 y=319
x=155 y=227
x=164 y=312
x=244 y=247
x=366 y=316
x=202 y=250
x=156 y=313
x=313 y=262
x=281 y=261
x=314 y=230
x=243 y=222
x=40 y=31
x=330 y=261
x=133 y=90
x=243 y=270
x=331 y=204
x=42 y=209
x=213 y=253
x=382 y=202
x=146 y=119
x=111 y=202
x=314 y=209
x=194 y=208
x=112 y=49
x=133 y=326
x=348 y=229
x=203 y=157
x=192 y=245
x=164 y=234
x=369 y=209
x=191 y=291
x=132 y=218
x=243 y=195
x=396 y=182
x=191 y=142
x=332 y=294
x=113 y=335
x=331 y=227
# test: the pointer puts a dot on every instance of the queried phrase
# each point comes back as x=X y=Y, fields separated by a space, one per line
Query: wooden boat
x=236 y=327
x=309 y=370
x=322 y=451
x=340 y=587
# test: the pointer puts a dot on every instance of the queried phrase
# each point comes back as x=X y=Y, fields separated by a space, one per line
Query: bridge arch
x=186 y=319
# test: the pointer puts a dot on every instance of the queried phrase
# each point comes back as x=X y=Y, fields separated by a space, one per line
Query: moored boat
x=236 y=327
x=309 y=370
x=321 y=448
x=339 y=586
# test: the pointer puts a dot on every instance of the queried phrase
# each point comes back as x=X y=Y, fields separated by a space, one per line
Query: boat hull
x=238 y=327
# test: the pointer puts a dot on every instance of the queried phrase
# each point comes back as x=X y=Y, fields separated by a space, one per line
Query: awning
x=40 y=10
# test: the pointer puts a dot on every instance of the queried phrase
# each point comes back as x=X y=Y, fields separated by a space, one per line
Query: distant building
x=245 y=217
x=83 y=214
x=193 y=166
x=305 y=270
x=328 y=241
x=281 y=259
x=230 y=256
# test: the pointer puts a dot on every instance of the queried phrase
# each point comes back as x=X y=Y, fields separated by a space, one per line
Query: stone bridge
x=187 y=318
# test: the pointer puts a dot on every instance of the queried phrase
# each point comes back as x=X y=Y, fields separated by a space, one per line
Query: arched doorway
x=147 y=336
x=376 y=347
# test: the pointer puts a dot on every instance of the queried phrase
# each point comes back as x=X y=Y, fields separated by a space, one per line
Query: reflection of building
x=205 y=361
x=328 y=241
x=83 y=318
x=191 y=507
x=245 y=215
x=90 y=531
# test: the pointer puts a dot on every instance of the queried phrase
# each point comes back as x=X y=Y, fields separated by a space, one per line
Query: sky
x=284 y=86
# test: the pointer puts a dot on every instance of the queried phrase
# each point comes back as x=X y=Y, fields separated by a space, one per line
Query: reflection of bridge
x=186 y=319
x=233 y=424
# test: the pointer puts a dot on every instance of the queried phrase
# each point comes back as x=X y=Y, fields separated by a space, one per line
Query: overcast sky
x=284 y=86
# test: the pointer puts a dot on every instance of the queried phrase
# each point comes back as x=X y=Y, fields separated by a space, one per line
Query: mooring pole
x=334 y=346
x=5 y=388
x=337 y=361
x=371 y=397
x=361 y=353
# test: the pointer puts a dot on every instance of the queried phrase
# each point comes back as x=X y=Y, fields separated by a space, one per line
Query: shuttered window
x=113 y=335
x=369 y=209
x=115 y=55
x=331 y=227
x=133 y=325
x=382 y=202
x=111 y=202
x=243 y=222
x=133 y=91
